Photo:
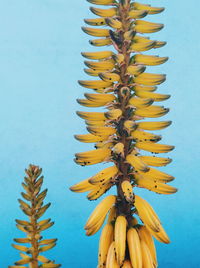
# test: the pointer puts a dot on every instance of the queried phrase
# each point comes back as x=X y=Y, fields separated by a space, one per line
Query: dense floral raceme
x=33 y=245
x=122 y=85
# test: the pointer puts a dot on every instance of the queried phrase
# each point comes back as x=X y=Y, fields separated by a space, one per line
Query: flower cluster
x=33 y=245
x=121 y=133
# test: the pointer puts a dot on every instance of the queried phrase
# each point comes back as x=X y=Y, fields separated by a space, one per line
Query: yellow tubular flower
x=97 y=55
x=146 y=237
x=114 y=23
x=105 y=241
x=101 y=42
x=142 y=26
x=95 y=22
x=123 y=132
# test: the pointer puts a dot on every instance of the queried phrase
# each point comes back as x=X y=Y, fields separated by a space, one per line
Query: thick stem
x=123 y=206
x=33 y=220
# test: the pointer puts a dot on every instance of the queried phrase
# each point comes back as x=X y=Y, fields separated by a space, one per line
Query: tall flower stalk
x=33 y=245
x=121 y=134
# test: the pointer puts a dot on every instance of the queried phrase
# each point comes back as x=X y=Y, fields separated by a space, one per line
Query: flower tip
x=80 y=82
x=172 y=147
x=75 y=136
x=71 y=188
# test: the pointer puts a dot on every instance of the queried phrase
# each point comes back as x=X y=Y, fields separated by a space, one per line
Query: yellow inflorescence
x=121 y=134
x=33 y=245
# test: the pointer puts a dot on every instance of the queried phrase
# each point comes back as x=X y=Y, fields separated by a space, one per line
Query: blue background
x=40 y=62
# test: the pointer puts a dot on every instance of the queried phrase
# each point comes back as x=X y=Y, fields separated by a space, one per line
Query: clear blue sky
x=40 y=62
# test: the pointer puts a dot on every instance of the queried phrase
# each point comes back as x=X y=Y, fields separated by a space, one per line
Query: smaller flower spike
x=33 y=245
